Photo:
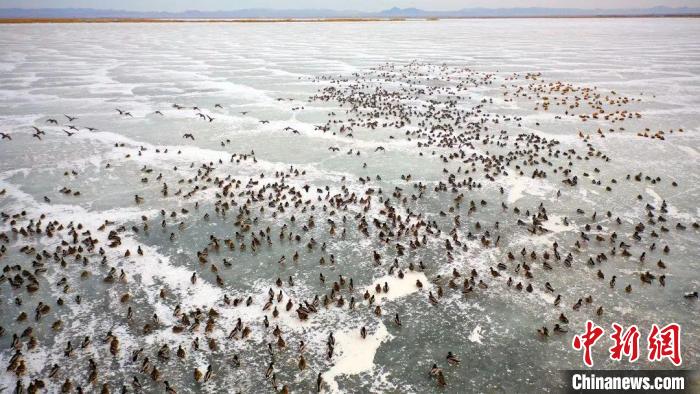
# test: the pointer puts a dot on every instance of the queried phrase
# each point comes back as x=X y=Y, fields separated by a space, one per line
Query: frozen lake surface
x=480 y=122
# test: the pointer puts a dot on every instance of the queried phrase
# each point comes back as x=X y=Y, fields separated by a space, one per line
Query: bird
x=452 y=359
x=319 y=382
x=5 y=136
x=168 y=388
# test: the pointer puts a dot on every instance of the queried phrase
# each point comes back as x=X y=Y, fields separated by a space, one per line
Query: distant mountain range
x=395 y=12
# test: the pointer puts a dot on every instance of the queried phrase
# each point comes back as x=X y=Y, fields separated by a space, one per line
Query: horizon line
x=97 y=20
x=347 y=10
x=350 y=9
x=68 y=15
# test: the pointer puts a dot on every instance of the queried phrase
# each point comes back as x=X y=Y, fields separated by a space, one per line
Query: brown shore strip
x=293 y=20
x=212 y=20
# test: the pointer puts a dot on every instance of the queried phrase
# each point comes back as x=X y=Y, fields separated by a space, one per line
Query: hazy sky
x=362 y=5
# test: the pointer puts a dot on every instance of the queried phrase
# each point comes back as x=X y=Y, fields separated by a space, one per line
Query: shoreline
x=317 y=20
x=192 y=20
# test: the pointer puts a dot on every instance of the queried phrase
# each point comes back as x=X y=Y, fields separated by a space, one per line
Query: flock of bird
x=283 y=210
